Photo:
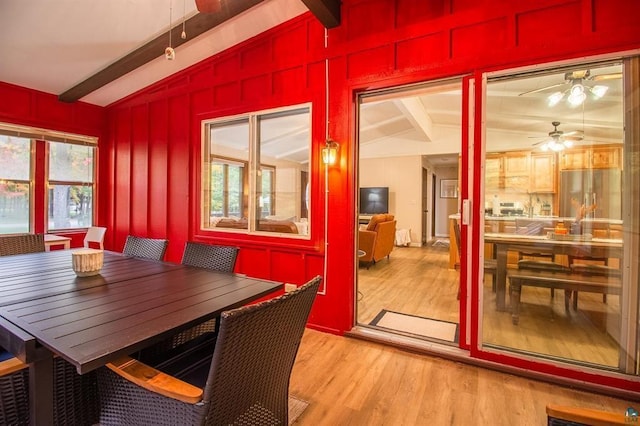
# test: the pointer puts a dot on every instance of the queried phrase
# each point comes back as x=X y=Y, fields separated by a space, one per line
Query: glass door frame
x=473 y=161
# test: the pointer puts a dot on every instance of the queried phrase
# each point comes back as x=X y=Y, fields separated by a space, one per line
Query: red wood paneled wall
x=19 y=105
x=153 y=148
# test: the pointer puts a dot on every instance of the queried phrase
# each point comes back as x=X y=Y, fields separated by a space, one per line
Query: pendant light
x=331 y=147
x=169 y=53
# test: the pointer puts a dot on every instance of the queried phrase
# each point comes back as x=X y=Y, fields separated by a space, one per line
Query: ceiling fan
x=577 y=92
x=559 y=140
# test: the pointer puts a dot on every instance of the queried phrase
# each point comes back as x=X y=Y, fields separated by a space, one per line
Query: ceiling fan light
x=577 y=89
x=576 y=98
x=557 y=147
x=567 y=143
x=555 y=98
x=599 y=91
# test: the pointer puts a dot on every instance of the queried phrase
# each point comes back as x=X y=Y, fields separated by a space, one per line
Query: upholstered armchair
x=376 y=241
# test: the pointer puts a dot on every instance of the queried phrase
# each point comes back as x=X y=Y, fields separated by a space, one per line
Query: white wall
x=403 y=176
x=444 y=206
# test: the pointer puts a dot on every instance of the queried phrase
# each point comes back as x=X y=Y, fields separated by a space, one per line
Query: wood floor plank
x=353 y=382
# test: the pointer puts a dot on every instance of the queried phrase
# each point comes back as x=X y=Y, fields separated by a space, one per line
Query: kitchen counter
x=545 y=218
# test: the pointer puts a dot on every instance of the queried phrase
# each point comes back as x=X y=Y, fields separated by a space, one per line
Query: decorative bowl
x=87 y=262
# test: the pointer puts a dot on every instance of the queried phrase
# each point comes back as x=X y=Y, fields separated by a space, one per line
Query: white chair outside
x=95 y=234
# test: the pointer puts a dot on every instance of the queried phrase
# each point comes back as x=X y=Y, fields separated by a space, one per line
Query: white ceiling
x=52 y=45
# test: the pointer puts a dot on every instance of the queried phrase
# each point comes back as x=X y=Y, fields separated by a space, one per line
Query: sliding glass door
x=561 y=215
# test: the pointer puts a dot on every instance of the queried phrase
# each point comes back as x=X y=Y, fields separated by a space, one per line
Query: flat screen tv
x=374 y=200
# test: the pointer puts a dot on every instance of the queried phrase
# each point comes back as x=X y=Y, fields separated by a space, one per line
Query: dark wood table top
x=37 y=275
x=133 y=303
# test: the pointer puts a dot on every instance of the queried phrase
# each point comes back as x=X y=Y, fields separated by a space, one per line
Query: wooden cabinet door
x=494 y=178
x=543 y=172
x=572 y=159
x=516 y=171
x=606 y=157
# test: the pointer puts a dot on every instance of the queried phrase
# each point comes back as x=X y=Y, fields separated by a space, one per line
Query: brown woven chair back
x=217 y=258
x=20 y=244
x=257 y=345
x=147 y=248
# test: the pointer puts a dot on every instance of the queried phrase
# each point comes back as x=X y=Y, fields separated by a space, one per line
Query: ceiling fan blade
x=603 y=77
x=574 y=132
x=545 y=140
x=541 y=89
x=572 y=138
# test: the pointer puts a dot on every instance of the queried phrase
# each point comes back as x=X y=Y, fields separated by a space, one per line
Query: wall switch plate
x=289 y=287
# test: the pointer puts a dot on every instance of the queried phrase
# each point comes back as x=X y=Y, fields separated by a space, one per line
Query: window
x=71 y=179
x=15 y=188
x=32 y=159
x=255 y=173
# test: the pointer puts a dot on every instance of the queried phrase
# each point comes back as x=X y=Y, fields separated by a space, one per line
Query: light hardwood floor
x=354 y=382
x=417 y=281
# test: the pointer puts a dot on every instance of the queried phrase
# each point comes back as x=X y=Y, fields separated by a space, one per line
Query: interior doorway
x=405 y=136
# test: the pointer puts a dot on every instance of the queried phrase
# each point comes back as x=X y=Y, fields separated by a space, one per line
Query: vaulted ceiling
x=102 y=51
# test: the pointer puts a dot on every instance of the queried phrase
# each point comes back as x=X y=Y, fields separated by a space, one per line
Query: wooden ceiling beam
x=327 y=11
x=194 y=26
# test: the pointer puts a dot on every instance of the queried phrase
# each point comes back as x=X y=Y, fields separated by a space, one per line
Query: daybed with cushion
x=376 y=241
x=282 y=226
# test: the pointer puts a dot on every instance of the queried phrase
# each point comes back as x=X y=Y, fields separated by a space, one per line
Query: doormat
x=425 y=327
x=296 y=408
x=440 y=243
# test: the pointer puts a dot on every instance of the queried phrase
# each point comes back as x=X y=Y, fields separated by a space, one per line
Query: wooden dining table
x=46 y=310
x=503 y=243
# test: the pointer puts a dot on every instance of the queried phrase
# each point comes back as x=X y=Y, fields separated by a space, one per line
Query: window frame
x=39 y=183
x=28 y=182
x=252 y=185
x=49 y=183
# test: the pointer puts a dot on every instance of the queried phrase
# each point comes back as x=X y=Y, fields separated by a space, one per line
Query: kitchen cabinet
x=593 y=157
x=606 y=157
x=508 y=171
x=543 y=173
x=494 y=174
x=516 y=171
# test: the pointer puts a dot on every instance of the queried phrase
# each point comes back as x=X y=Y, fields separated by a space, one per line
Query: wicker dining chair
x=20 y=244
x=75 y=397
x=214 y=257
x=244 y=381
x=147 y=248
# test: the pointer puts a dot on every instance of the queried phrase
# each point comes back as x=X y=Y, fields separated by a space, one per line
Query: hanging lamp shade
x=208 y=6
x=330 y=152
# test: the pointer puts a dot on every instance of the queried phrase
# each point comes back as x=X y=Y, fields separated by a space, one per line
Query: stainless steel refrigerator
x=602 y=187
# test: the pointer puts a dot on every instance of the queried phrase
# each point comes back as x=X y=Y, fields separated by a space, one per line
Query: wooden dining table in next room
x=46 y=310
x=503 y=243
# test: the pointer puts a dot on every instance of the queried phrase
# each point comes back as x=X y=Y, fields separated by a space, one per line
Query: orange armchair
x=376 y=241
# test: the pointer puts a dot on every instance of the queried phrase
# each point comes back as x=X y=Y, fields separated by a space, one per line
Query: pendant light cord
x=326 y=168
x=326 y=84
x=170 y=20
